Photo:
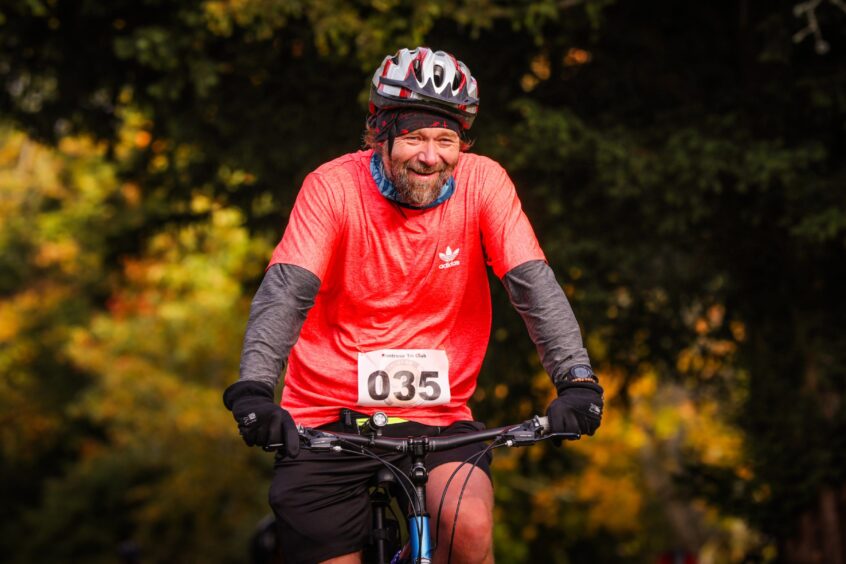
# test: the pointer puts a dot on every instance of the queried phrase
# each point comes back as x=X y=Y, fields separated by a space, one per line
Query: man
x=378 y=291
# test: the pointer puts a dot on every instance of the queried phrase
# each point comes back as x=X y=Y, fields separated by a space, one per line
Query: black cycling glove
x=260 y=420
x=577 y=409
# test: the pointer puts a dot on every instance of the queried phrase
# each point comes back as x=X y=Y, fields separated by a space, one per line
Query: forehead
x=431 y=133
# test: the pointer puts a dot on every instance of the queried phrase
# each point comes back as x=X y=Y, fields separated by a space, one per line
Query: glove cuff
x=246 y=388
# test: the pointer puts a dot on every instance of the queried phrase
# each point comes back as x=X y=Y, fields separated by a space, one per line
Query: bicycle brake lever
x=527 y=433
x=534 y=430
x=542 y=423
x=318 y=440
x=314 y=440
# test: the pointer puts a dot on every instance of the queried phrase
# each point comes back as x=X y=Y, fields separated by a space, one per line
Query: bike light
x=378 y=420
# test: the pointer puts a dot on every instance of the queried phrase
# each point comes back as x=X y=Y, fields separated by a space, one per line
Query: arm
x=515 y=256
x=541 y=303
x=539 y=300
x=278 y=312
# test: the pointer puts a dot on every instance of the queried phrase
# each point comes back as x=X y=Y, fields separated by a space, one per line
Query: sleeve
x=507 y=235
x=538 y=298
x=277 y=314
x=313 y=228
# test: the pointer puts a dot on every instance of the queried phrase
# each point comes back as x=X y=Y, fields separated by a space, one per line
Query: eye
x=447 y=141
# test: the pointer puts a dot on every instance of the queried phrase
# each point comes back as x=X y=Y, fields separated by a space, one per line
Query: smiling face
x=421 y=163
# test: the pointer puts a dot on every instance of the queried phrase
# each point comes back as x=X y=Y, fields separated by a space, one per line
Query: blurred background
x=682 y=163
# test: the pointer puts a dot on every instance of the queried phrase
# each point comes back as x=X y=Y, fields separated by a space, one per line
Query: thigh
x=321 y=505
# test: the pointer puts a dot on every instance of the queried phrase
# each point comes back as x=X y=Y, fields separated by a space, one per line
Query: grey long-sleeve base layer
x=287 y=293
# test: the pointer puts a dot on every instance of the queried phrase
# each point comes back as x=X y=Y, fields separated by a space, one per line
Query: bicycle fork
x=419 y=539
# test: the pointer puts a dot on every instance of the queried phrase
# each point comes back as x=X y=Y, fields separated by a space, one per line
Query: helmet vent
x=438 y=76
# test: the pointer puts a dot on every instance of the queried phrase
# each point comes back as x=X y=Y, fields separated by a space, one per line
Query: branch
x=809 y=10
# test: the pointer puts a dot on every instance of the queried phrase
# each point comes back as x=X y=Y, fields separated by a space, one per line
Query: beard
x=419 y=191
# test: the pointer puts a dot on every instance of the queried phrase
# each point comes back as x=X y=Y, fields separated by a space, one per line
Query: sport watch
x=578 y=373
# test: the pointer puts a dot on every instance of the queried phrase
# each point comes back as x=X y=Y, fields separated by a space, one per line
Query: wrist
x=578 y=375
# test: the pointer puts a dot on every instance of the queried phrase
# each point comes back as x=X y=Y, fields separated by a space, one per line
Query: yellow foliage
x=63 y=253
x=540 y=66
x=738 y=331
x=131 y=192
x=10 y=322
x=644 y=386
x=633 y=455
x=576 y=57
x=142 y=139
x=610 y=484
x=155 y=362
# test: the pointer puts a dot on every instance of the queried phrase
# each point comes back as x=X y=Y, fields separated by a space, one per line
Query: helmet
x=422 y=78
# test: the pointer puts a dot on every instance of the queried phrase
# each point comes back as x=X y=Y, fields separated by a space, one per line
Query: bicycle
x=419 y=548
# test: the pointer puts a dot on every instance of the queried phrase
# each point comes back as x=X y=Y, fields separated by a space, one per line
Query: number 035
x=403 y=386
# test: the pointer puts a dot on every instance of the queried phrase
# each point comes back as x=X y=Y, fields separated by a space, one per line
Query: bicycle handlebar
x=523 y=434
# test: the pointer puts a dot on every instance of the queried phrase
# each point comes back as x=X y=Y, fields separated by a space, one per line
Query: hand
x=577 y=409
x=260 y=420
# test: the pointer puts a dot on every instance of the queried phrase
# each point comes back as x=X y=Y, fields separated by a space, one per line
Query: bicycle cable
x=477 y=457
x=490 y=447
x=496 y=443
x=397 y=472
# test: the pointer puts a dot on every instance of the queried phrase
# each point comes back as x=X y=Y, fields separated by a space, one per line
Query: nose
x=428 y=154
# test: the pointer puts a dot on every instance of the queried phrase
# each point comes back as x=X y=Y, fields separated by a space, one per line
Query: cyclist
x=377 y=299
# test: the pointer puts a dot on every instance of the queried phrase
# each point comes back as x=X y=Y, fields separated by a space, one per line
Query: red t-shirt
x=403 y=315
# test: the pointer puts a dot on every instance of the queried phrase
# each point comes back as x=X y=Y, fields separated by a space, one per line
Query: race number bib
x=403 y=377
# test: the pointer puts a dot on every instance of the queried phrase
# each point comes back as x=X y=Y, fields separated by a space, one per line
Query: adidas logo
x=449 y=256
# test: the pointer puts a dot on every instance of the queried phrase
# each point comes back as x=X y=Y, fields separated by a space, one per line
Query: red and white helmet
x=427 y=79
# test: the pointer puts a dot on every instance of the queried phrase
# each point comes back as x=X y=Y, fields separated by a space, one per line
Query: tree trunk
x=819 y=538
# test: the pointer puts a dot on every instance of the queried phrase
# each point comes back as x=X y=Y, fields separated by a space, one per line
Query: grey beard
x=418 y=192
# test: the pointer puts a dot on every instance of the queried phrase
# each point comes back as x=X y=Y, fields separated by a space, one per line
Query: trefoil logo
x=449 y=258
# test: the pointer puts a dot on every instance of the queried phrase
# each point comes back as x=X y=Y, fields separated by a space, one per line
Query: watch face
x=581 y=372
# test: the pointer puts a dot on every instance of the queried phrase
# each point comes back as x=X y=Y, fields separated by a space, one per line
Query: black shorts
x=321 y=500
